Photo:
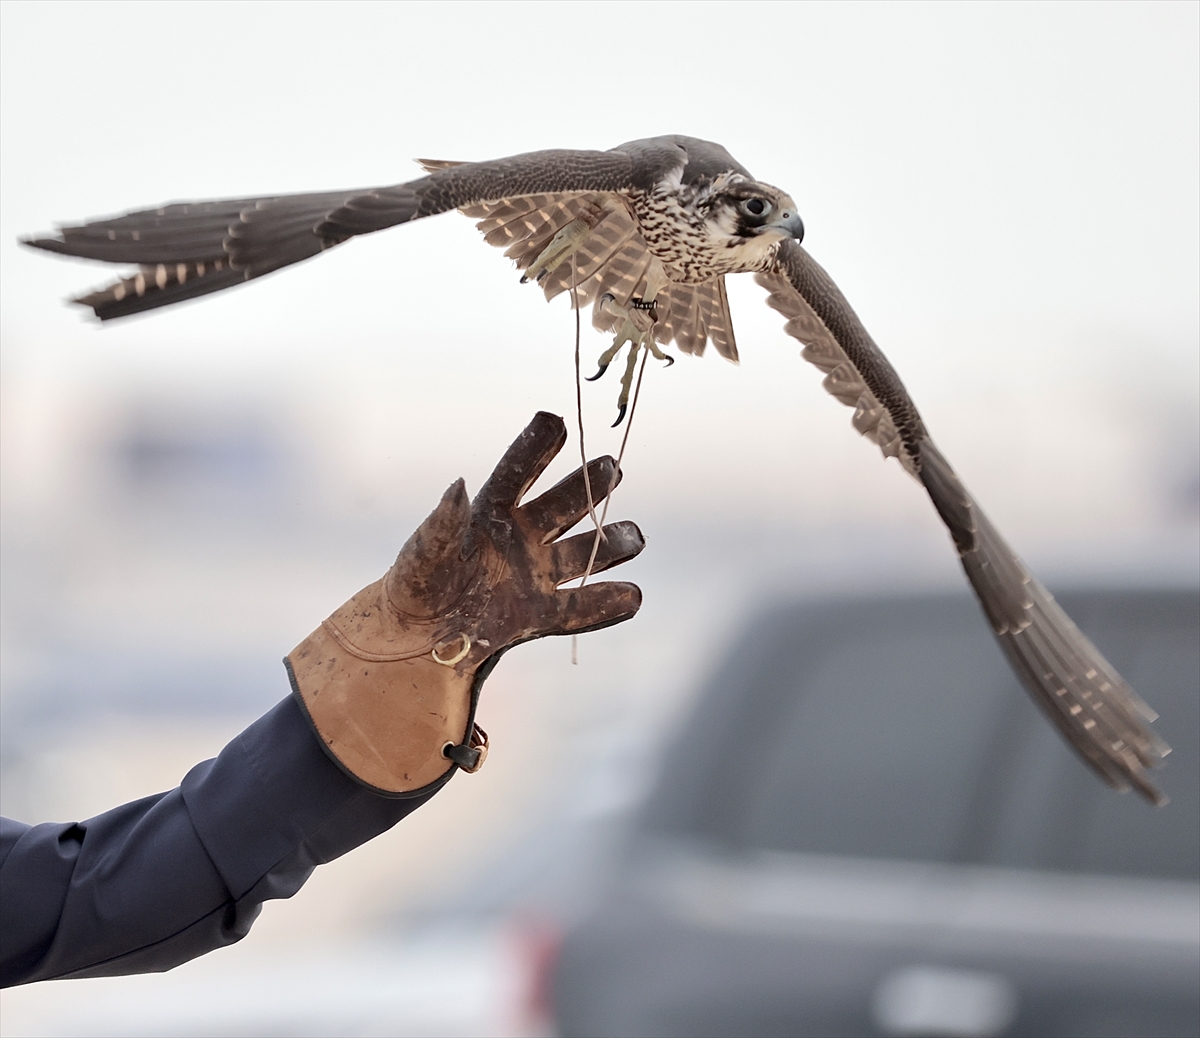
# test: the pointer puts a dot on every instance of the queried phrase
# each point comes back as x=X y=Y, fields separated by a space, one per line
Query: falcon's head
x=741 y=208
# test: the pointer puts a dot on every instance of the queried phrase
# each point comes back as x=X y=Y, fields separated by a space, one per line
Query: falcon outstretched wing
x=1078 y=689
x=190 y=249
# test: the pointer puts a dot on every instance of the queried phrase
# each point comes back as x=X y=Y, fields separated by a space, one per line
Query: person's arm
x=388 y=685
x=156 y=882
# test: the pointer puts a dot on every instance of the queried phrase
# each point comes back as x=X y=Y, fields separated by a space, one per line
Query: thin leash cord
x=637 y=391
x=587 y=479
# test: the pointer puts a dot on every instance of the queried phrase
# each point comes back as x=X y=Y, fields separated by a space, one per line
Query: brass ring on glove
x=461 y=654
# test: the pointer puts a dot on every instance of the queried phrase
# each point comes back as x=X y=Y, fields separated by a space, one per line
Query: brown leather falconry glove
x=391 y=680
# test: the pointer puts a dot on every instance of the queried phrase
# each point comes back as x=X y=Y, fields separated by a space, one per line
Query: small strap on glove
x=469 y=756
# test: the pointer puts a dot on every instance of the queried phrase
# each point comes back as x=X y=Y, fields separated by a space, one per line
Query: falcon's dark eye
x=755 y=206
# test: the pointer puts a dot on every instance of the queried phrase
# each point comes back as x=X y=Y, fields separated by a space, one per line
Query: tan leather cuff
x=398 y=726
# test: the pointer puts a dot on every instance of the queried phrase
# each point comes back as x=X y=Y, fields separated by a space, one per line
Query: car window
x=878 y=749
x=1053 y=814
x=895 y=729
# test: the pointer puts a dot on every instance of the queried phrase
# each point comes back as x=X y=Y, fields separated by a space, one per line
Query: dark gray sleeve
x=151 y=884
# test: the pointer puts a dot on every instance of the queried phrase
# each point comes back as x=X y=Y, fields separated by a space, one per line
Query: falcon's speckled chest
x=695 y=241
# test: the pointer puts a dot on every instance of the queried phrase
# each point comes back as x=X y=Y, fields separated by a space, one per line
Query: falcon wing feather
x=188 y=249
x=1090 y=704
x=180 y=232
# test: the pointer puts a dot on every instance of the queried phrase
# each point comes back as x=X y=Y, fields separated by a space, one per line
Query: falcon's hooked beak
x=790 y=223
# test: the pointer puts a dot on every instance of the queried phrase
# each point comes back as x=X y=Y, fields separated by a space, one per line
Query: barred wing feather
x=1089 y=703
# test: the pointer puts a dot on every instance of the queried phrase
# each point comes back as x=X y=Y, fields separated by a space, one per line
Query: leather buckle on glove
x=469 y=756
x=391 y=680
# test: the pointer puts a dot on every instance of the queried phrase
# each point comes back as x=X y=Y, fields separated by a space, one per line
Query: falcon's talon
x=626 y=382
x=658 y=354
x=606 y=358
x=669 y=359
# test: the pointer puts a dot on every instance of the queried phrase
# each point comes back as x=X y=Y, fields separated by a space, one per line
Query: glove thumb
x=428 y=576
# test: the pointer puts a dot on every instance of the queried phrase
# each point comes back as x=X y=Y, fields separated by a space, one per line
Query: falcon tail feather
x=1082 y=694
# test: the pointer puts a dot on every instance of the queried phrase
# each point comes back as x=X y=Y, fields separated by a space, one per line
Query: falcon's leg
x=635 y=327
x=562 y=246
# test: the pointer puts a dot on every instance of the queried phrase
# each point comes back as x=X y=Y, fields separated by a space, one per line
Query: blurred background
x=1005 y=192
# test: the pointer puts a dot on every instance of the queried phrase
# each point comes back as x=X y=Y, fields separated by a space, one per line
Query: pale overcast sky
x=1007 y=193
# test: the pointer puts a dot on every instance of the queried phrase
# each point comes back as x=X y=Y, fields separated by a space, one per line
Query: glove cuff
x=400 y=727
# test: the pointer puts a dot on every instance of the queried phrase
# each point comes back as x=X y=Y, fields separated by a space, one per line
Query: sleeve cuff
x=272 y=792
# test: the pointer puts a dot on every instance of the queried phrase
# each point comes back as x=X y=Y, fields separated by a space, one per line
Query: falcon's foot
x=635 y=328
x=562 y=247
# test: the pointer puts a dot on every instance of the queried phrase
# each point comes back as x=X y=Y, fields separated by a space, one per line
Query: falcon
x=646 y=234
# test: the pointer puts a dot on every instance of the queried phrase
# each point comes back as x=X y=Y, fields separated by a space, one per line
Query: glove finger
x=565 y=503
x=569 y=558
x=522 y=463
x=595 y=606
x=429 y=574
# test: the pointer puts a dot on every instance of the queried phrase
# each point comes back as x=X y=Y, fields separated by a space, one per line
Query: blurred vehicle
x=866 y=828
